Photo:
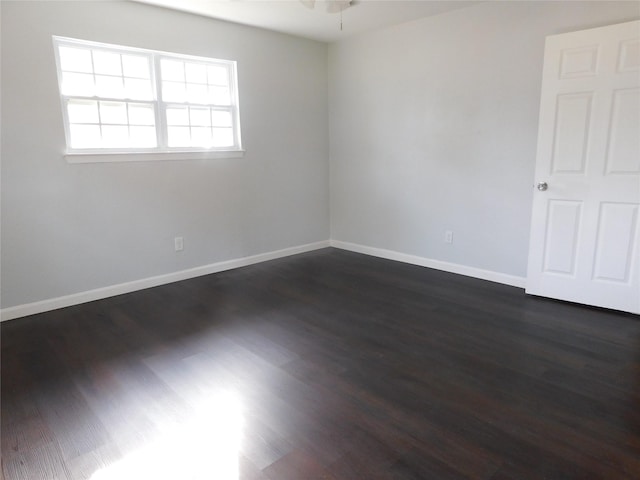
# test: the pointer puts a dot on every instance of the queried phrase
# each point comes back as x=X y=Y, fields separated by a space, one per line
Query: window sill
x=111 y=157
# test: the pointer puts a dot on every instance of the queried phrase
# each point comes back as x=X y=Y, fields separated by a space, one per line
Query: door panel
x=578 y=62
x=571 y=133
x=584 y=243
x=629 y=56
x=561 y=243
x=623 y=154
x=614 y=248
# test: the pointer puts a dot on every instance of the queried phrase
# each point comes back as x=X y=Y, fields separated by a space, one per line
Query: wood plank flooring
x=327 y=365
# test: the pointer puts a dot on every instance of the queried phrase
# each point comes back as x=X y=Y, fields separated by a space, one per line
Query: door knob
x=542 y=186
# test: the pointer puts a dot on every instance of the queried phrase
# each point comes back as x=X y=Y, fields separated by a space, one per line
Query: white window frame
x=162 y=151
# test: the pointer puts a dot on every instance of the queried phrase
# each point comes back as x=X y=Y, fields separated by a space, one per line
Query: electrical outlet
x=178 y=243
x=448 y=236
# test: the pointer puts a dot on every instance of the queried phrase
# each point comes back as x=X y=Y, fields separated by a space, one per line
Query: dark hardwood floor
x=326 y=365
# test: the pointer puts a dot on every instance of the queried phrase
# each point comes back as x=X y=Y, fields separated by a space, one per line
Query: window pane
x=172 y=70
x=173 y=92
x=135 y=66
x=115 y=136
x=75 y=59
x=138 y=89
x=111 y=99
x=222 y=137
x=79 y=84
x=221 y=118
x=200 y=117
x=140 y=114
x=179 y=137
x=142 y=137
x=109 y=86
x=196 y=73
x=219 y=96
x=82 y=111
x=106 y=62
x=197 y=93
x=178 y=116
x=113 y=112
x=85 y=136
x=201 y=137
x=218 y=76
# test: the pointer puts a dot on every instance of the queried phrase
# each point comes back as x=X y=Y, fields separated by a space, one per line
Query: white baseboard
x=128 y=287
x=489 y=275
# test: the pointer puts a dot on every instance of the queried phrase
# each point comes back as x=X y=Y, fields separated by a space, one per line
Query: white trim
x=102 y=157
x=489 y=275
x=128 y=287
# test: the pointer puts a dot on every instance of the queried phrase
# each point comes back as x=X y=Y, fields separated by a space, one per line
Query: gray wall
x=433 y=127
x=72 y=228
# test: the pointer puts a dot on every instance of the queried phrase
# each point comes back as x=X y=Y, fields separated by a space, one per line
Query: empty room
x=320 y=239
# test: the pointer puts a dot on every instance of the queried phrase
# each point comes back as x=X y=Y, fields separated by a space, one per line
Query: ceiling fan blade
x=335 y=6
x=308 y=3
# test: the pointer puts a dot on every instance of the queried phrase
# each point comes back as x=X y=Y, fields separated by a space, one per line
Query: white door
x=584 y=243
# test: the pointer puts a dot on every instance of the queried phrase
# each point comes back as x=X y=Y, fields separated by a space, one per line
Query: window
x=126 y=100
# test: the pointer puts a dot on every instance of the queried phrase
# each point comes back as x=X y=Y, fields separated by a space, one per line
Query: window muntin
x=110 y=124
x=103 y=73
x=122 y=99
x=198 y=104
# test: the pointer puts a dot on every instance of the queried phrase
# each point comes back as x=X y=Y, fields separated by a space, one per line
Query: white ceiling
x=292 y=17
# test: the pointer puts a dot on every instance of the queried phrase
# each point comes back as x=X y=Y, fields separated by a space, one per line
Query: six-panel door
x=584 y=243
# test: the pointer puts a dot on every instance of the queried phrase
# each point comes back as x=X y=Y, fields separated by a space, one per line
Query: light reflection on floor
x=205 y=447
